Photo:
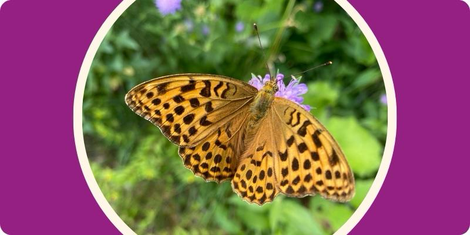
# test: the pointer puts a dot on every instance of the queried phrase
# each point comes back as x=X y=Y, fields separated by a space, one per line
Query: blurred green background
x=139 y=170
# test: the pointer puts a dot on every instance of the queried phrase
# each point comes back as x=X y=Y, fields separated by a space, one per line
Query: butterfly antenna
x=316 y=67
x=264 y=54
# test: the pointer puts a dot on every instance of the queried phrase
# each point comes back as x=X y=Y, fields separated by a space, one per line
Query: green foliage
x=362 y=148
x=140 y=172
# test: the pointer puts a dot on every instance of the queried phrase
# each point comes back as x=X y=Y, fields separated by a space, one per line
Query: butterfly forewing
x=310 y=160
x=188 y=107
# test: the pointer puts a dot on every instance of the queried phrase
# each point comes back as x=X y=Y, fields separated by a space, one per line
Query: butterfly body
x=263 y=100
x=228 y=130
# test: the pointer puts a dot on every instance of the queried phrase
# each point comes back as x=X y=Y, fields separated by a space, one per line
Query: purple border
x=42 y=47
x=43 y=44
x=427 y=46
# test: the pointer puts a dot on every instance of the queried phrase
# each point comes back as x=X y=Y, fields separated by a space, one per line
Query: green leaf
x=275 y=214
x=322 y=30
x=367 y=77
x=252 y=215
x=226 y=223
x=361 y=148
x=320 y=95
x=124 y=41
x=298 y=219
x=253 y=220
x=331 y=215
x=358 y=48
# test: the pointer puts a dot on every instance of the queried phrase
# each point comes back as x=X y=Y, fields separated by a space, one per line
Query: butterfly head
x=270 y=87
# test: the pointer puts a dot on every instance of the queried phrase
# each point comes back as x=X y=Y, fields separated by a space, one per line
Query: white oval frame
x=124 y=228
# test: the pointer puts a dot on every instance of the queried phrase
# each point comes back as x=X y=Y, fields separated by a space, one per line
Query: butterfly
x=227 y=129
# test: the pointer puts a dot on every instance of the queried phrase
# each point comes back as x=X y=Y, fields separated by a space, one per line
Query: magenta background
x=43 y=43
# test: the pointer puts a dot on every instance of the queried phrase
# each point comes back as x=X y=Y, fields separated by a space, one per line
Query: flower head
x=383 y=99
x=168 y=6
x=205 y=30
x=318 y=6
x=239 y=26
x=293 y=91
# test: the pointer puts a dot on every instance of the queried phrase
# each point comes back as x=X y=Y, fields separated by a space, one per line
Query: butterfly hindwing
x=254 y=179
x=310 y=160
x=216 y=157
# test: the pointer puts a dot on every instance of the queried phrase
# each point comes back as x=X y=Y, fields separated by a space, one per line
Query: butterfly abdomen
x=258 y=111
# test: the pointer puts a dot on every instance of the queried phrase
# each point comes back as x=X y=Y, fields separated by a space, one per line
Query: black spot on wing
x=208 y=107
x=337 y=174
x=218 y=158
x=179 y=110
x=295 y=164
x=316 y=139
x=318 y=170
x=192 y=131
x=333 y=159
x=206 y=91
x=177 y=128
x=328 y=174
x=188 y=118
x=216 y=88
x=298 y=120
x=206 y=146
x=268 y=153
x=194 y=102
x=302 y=147
x=291 y=116
x=204 y=122
x=161 y=88
x=307 y=164
x=191 y=86
x=315 y=156
x=178 y=99
x=303 y=129
x=283 y=155
x=290 y=141
x=156 y=101
x=285 y=171
x=169 y=117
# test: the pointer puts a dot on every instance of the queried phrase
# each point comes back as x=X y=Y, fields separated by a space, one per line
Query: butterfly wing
x=189 y=107
x=254 y=179
x=199 y=112
x=216 y=157
x=310 y=161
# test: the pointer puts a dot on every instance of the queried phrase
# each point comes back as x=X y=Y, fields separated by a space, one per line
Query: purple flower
x=239 y=26
x=293 y=91
x=205 y=30
x=318 y=6
x=383 y=99
x=168 y=6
